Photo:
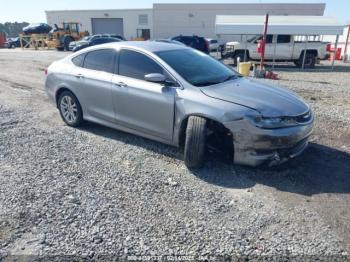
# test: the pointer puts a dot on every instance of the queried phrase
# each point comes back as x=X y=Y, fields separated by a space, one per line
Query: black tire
x=77 y=121
x=310 y=60
x=239 y=55
x=195 y=142
x=296 y=63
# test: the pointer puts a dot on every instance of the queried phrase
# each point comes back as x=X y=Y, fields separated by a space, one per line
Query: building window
x=143 y=19
x=143 y=33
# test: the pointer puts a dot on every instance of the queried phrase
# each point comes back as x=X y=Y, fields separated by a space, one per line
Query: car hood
x=269 y=100
x=232 y=43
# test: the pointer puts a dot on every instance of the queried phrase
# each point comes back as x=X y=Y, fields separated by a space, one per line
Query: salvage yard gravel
x=94 y=192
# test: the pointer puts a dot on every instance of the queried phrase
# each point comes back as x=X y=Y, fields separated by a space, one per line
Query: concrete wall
x=130 y=19
x=199 y=19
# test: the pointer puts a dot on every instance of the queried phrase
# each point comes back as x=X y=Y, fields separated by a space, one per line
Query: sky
x=34 y=11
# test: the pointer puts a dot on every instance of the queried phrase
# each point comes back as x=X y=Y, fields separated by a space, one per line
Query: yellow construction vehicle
x=60 y=38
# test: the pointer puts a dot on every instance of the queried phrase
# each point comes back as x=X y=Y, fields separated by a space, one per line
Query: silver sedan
x=182 y=97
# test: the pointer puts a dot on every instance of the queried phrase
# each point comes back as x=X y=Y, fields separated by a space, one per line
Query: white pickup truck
x=285 y=48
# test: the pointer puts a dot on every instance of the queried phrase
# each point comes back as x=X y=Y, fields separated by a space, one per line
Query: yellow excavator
x=60 y=38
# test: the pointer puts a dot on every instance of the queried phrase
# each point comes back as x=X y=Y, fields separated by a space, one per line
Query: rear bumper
x=326 y=57
x=254 y=146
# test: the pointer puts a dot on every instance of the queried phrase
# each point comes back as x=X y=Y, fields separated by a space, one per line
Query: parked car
x=287 y=50
x=15 y=42
x=213 y=44
x=170 y=41
x=38 y=28
x=95 y=41
x=182 y=97
x=86 y=39
x=195 y=42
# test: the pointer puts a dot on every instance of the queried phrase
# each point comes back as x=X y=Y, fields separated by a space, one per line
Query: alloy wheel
x=69 y=109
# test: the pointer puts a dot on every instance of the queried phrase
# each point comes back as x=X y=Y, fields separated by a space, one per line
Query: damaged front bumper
x=254 y=146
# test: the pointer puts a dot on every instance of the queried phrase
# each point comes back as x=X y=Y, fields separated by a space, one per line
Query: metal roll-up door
x=107 y=26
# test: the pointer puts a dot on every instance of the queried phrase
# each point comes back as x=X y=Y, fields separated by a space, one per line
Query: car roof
x=150 y=46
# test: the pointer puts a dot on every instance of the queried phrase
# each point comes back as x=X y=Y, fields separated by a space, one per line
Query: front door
x=141 y=105
x=269 y=47
x=284 y=47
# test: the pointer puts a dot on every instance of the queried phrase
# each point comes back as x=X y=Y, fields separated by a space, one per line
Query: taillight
x=329 y=47
x=45 y=71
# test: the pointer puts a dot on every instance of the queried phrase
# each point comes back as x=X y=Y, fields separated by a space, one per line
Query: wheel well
x=312 y=51
x=218 y=135
x=241 y=51
x=59 y=92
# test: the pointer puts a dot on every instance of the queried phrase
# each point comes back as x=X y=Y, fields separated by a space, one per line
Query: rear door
x=141 y=105
x=93 y=83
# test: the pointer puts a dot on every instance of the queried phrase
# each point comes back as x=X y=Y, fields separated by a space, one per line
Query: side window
x=98 y=41
x=136 y=65
x=187 y=40
x=100 y=60
x=78 y=60
x=283 y=39
x=269 y=39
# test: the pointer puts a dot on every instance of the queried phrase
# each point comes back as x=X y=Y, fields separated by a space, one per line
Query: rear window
x=78 y=60
x=100 y=60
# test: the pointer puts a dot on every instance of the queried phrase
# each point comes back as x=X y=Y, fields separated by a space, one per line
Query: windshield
x=196 y=67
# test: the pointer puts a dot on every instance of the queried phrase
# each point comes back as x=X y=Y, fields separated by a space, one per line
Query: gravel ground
x=94 y=191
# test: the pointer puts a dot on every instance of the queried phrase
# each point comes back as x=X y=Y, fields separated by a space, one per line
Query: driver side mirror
x=159 y=78
x=155 y=78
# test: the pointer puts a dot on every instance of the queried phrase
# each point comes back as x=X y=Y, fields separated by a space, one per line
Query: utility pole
x=346 y=44
x=262 y=60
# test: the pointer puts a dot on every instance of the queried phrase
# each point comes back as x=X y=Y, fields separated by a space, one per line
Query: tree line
x=12 y=29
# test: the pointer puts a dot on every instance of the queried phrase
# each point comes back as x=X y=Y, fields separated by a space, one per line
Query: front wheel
x=70 y=109
x=240 y=57
x=195 y=142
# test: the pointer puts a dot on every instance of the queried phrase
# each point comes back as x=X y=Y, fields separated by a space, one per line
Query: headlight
x=272 y=122
x=230 y=48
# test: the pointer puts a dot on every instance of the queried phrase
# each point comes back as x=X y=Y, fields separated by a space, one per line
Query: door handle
x=79 y=76
x=121 y=84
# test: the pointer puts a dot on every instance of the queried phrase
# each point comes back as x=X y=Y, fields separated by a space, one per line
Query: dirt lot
x=95 y=191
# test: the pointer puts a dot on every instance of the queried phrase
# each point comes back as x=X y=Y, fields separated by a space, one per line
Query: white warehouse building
x=168 y=20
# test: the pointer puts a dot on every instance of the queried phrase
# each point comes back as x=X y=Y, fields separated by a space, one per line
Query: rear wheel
x=70 y=109
x=195 y=142
x=310 y=60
